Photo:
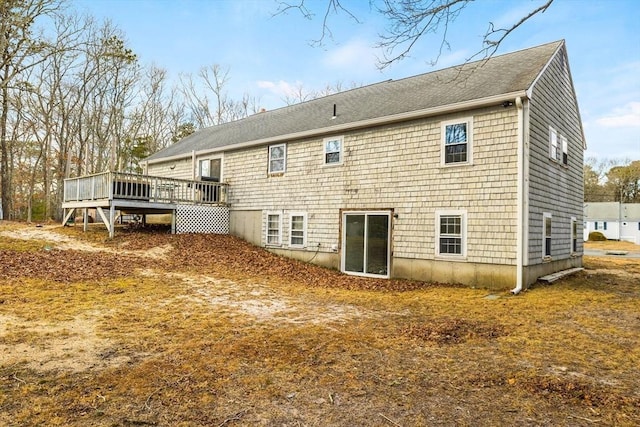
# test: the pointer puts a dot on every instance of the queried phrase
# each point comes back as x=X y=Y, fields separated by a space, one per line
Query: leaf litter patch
x=452 y=331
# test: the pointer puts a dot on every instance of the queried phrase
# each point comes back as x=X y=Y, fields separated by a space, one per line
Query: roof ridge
x=498 y=75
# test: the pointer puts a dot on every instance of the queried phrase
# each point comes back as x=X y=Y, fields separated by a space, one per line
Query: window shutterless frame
x=554 y=150
x=456 y=147
x=574 y=235
x=277 y=158
x=547 y=233
x=273 y=227
x=451 y=234
x=333 y=150
x=298 y=229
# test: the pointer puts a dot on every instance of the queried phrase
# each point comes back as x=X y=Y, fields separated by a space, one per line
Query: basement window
x=274 y=229
x=298 y=230
x=546 y=234
x=574 y=235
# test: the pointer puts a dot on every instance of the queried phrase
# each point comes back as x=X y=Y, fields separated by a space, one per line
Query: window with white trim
x=298 y=229
x=277 y=158
x=546 y=234
x=333 y=151
x=565 y=150
x=456 y=141
x=274 y=229
x=210 y=168
x=451 y=233
x=554 y=152
x=574 y=235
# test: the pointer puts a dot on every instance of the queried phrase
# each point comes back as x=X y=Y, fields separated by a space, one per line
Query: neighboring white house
x=617 y=221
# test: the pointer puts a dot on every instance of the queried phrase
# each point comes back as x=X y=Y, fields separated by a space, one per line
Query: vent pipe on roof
x=334 y=112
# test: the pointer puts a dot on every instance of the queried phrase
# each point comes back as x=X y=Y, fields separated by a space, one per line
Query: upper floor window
x=209 y=168
x=554 y=153
x=277 y=158
x=456 y=141
x=565 y=150
x=333 y=151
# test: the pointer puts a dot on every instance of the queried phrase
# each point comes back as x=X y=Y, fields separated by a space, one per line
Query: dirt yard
x=195 y=330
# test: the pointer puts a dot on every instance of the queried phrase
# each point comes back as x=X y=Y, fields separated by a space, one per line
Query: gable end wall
x=554 y=187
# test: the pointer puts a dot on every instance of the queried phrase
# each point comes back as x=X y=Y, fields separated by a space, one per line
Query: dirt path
x=75 y=344
x=63 y=242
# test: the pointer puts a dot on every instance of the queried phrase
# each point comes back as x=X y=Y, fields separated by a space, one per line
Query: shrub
x=596 y=236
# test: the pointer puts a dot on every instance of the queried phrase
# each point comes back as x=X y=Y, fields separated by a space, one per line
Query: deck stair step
x=550 y=278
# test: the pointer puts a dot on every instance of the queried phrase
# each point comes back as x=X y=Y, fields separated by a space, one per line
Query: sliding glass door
x=366 y=239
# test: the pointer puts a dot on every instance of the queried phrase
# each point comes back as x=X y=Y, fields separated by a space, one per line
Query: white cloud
x=357 y=54
x=281 y=88
x=627 y=116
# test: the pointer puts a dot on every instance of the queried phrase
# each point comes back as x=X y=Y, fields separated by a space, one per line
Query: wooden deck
x=138 y=194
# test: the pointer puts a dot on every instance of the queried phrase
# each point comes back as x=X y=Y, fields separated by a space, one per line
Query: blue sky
x=268 y=55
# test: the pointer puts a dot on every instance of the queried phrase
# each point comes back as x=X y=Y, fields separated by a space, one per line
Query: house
x=615 y=220
x=471 y=174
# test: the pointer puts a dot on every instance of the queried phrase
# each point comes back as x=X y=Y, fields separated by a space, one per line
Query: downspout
x=520 y=201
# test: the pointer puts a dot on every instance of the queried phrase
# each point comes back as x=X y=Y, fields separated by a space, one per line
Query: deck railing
x=153 y=189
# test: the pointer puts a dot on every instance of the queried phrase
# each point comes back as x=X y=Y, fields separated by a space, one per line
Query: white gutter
x=520 y=201
x=411 y=115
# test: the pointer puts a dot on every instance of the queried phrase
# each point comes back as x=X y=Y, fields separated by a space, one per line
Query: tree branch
x=491 y=46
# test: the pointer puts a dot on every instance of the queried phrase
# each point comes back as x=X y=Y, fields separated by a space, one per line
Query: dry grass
x=215 y=343
x=613 y=245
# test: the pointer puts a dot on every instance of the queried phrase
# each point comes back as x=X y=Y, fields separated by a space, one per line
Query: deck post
x=173 y=221
x=67 y=215
x=85 y=219
x=112 y=221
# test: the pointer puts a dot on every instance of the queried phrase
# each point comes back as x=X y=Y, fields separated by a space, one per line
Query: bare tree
x=411 y=21
x=20 y=50
x=301 y=94
x=208 y=100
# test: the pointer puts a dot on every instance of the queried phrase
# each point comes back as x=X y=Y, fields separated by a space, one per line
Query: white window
x=554 y=153
x=546 y=234
x=277 y=158
x=574 y=235
x=451 y=233
x=274 y=229
x=210 y=168
x=298 y=230
x=565 y=150
x=457 y=141
x=333 y=151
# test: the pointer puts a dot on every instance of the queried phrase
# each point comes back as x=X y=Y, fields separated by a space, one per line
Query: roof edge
x=378 y=121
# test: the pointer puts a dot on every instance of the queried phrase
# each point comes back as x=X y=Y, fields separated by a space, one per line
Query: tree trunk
x=5 y=176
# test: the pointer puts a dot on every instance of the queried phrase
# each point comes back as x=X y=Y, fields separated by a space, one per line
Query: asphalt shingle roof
x=498 y=75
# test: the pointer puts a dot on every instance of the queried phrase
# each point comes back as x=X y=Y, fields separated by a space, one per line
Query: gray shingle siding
x=554 y=187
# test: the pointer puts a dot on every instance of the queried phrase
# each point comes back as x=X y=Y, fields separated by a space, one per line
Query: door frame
x=343 y=240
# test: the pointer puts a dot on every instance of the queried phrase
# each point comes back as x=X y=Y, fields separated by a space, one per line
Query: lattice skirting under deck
x=202 y=219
